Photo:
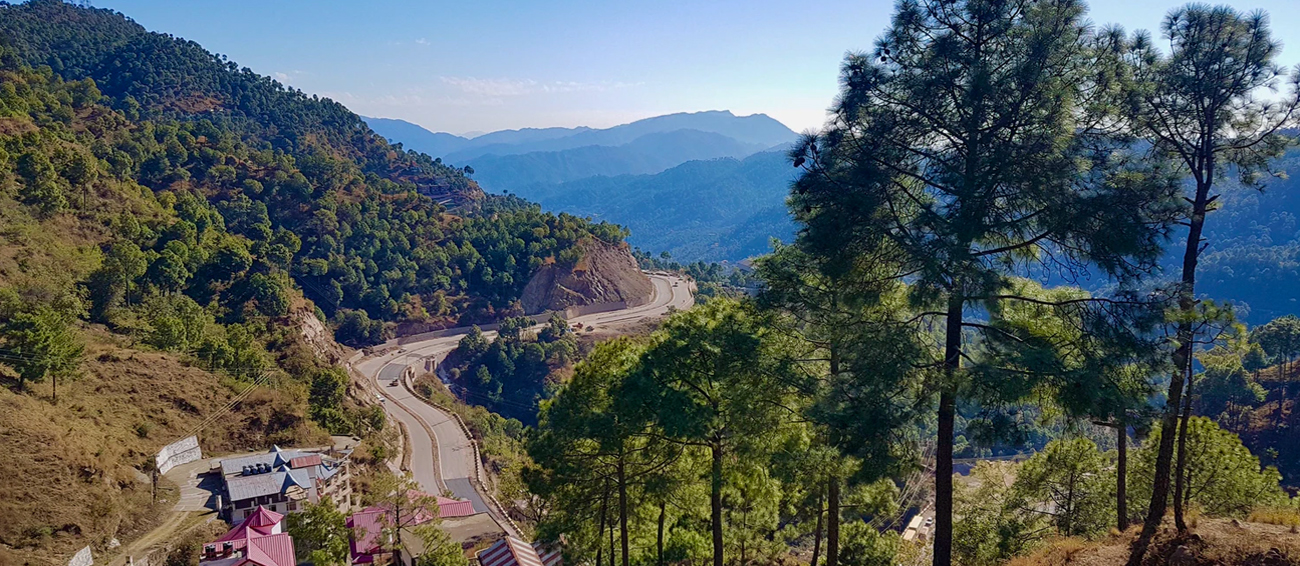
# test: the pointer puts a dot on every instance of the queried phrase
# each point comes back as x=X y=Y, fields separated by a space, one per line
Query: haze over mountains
x=702 y=186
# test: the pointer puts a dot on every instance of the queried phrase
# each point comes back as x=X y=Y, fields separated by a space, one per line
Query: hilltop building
x=283 y=481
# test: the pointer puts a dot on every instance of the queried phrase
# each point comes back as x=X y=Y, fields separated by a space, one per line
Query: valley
x=1022 y=295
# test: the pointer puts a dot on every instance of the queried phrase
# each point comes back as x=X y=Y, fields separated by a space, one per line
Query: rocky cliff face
x=315 y=334
x=607 y=273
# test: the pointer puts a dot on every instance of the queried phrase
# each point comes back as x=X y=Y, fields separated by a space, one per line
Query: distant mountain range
x=757 y=130
x=702 y=186
x=712 y=186
x=721 y=209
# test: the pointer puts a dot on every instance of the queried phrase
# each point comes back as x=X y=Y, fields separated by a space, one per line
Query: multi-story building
x=283 y=481
x=258 y=540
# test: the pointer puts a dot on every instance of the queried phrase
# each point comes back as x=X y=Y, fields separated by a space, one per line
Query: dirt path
x=176 y=523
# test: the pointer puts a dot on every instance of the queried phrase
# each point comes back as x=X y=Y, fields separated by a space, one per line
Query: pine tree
x=972 y=144
x=1199 y=107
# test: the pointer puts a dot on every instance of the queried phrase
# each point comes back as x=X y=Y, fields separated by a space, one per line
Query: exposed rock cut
x=605 y=274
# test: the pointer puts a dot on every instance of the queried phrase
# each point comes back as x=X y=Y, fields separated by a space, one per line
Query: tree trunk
x=659 y=539
x=715 y=501
x=833 y=522
x=1121 y=483
x=1180 y=465
x=622 y=507
x=54 y=382
x=1181 y=358
x=600 y=532
x=943 y=444
x=817 y=532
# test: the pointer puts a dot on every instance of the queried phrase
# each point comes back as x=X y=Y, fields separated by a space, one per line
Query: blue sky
x=483 y=65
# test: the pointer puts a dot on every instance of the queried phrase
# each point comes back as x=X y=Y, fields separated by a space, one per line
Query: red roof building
x=369 y=524
x=448 y=508
x=511 y=551
x=255 y=541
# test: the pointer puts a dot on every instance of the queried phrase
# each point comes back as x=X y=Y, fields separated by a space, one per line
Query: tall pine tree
x=979 y=141
x=1199 y=105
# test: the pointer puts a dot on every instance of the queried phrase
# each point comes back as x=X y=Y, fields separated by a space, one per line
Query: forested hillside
x=1253 y=256
x=647 y=154
x=722 y=209
x=360 y=225
x=170 y=226
x=131 y=317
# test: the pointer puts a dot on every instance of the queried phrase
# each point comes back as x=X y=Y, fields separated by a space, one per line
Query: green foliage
x=410 y=518
x=41 y=185
x=1072 y=479
x=994 y=524
x=647 y=431
x=512 y=374
x=1226 y=384
x=179 y=324
x=972 y=145
x=863 y=545
x=1279 y=338
x=1223 y=477
x=270 y=293
x=235 y=351
x=320 y=533
x=439 y=549
x=270 y=187
x=356 y=329
x=328 y=387
x=39 y=341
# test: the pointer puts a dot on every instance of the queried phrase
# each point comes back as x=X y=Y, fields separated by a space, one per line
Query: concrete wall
x=568 y=313
x=180 y=452
x=82 y=558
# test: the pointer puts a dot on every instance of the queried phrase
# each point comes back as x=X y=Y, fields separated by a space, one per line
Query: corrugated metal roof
x=274 y=550
x=551 y=556
x=510 y=551
x=261 y=522
x=256 y=540
x=304 y=461
x=246 y=487
x=448 y=507
x=233 y=466
x=370 y=523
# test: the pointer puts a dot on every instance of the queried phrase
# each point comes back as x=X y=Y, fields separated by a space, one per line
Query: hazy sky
x=483 y=65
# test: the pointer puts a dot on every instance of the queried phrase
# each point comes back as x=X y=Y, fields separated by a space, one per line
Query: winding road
x=453 y=467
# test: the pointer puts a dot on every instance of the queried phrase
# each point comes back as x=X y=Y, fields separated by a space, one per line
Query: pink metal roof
x=448 y=507
x=510 y=551
x=371 y=522
x=254 y=537
x=259 y=523
x=274 y=550
x=373 y=519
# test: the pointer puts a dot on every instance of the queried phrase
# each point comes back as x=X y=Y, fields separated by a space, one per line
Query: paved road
x=454 y=466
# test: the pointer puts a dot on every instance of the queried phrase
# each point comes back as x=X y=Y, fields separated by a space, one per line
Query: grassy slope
x=70 y=473
x=72 y=470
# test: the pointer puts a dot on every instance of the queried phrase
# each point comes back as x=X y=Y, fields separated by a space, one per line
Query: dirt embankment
x=1210 y=542
x=606 y=273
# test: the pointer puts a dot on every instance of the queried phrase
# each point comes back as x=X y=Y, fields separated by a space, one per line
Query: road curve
x=453 y=469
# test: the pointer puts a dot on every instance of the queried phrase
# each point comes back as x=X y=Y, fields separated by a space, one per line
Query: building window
x=243 y=504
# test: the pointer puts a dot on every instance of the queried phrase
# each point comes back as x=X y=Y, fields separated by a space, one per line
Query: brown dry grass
x=1218 y=542
x=70 y=473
